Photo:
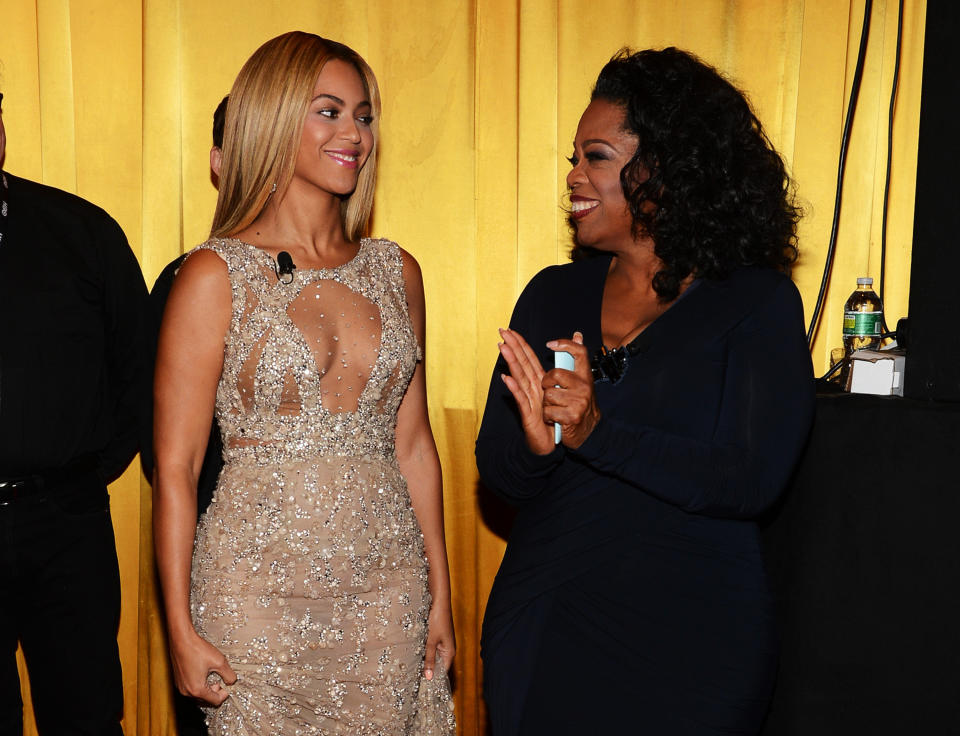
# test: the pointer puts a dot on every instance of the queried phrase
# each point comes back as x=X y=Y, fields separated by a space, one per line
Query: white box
x=878 y=372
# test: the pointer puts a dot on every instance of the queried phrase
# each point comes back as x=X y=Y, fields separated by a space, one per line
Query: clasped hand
x=194 y=660
x=557 y=395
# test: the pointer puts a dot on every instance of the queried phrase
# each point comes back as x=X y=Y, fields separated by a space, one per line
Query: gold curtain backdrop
x=112 y=100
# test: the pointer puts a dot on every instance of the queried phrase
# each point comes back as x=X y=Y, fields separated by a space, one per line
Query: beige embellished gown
x=309 y=571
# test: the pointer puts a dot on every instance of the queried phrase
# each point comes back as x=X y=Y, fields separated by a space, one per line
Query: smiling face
x=337 y=137
x=599 y=211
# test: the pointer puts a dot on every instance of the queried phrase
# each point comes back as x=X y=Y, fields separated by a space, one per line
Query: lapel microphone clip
x=284 y=267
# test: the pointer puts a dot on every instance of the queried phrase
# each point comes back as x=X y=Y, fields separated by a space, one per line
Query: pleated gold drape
x=113 y=100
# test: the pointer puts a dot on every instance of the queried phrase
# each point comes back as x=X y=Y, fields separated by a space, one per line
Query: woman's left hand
x=441 y=643
x=568 y=396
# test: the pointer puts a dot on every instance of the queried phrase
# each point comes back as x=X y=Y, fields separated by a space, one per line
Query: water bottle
x=862 y=322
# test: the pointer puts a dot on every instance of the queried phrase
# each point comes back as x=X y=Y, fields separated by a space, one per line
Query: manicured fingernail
x=578 y=336
x=428 y=674
x=552 y=344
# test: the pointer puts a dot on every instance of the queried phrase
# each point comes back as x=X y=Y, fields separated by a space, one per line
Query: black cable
x=844 y=145
x=833 y=369
x=886 y=184
x=839 y=364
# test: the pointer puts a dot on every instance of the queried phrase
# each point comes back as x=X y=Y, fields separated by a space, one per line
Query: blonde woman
x=309 y=606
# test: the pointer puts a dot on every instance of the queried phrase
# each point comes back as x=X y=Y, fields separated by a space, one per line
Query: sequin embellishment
x=309 y=572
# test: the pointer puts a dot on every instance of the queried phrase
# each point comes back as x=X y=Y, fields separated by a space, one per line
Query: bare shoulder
x=202 y=283
x=412 y=274
x=203 y=267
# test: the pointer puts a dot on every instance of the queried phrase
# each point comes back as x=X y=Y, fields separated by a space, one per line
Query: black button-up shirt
x=75 y=335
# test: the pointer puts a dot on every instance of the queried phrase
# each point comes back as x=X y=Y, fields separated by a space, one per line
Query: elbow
x=492 y=467
x=486 y=468
x=747 y=501
x=743 y=490
x=173 y=479
x=507 y=468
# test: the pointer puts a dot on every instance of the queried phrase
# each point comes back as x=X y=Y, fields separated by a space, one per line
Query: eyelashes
x=589 y=155
x=333 y=113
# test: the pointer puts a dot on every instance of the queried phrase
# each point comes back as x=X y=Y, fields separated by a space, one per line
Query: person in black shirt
x=74 y=386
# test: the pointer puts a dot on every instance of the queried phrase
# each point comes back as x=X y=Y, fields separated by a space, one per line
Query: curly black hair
x=705 y=183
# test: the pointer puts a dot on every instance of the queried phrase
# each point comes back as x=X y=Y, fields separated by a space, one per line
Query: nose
x=575 y=177
x=349 y=130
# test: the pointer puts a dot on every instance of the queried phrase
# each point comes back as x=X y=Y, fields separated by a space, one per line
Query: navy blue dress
x=632 y=596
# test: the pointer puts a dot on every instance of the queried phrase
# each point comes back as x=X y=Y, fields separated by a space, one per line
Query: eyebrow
x=338 y=100
x=597 y=140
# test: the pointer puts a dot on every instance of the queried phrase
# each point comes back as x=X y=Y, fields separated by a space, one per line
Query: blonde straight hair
x=265 y=116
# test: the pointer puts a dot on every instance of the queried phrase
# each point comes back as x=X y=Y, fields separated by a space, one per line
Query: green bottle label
x=862 y=324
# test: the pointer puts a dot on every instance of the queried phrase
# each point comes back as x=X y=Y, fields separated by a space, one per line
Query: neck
x=630 y=302
x=305 y=221
x=635 y=265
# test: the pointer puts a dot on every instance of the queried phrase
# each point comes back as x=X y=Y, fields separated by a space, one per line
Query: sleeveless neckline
x=268 y=259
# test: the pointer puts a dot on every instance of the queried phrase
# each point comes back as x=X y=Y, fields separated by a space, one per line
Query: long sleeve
x=507 y=466
x=75 y=336
x=129 y=333
x=765 y=413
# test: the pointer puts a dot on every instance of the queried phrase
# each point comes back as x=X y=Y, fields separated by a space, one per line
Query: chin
x=587 y=243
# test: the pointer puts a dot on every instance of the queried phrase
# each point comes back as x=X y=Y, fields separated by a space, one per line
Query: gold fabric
x=113 y=101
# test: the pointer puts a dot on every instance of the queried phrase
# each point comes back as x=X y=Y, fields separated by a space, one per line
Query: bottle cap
x=865 y=280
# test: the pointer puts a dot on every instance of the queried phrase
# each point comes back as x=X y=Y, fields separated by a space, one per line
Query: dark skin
x=602 y=219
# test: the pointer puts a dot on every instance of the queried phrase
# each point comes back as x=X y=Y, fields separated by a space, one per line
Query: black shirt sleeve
x=507 y=465
x=128 y=345
x=75 y=336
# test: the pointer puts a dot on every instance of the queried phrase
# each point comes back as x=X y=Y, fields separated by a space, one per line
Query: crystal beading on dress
x=309 y=571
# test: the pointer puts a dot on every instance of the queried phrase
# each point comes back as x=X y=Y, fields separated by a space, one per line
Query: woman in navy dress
x=632 y=596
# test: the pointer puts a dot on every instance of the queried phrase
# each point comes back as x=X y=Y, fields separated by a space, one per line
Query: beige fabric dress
x=309 y=572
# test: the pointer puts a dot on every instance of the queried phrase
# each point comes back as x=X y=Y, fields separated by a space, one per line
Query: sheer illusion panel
x=309 y=571
x=311 y=347
x=343 y=331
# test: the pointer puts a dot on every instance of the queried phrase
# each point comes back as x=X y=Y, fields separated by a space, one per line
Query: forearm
x=174 y=525
x=706 y=477
x=511 y=470
x=420 y=466
x=507 y=465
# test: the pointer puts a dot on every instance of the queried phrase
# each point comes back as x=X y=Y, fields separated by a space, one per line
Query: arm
x=189 y=362
x=765 y=414
x=507 y=464
x=420 y=466
x=158 y=300
x=129 y=334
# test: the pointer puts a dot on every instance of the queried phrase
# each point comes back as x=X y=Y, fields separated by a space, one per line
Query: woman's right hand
x=525 y=383
x=194 y=659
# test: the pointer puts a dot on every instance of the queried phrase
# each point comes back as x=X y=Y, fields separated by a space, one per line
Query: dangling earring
x=273 y=189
